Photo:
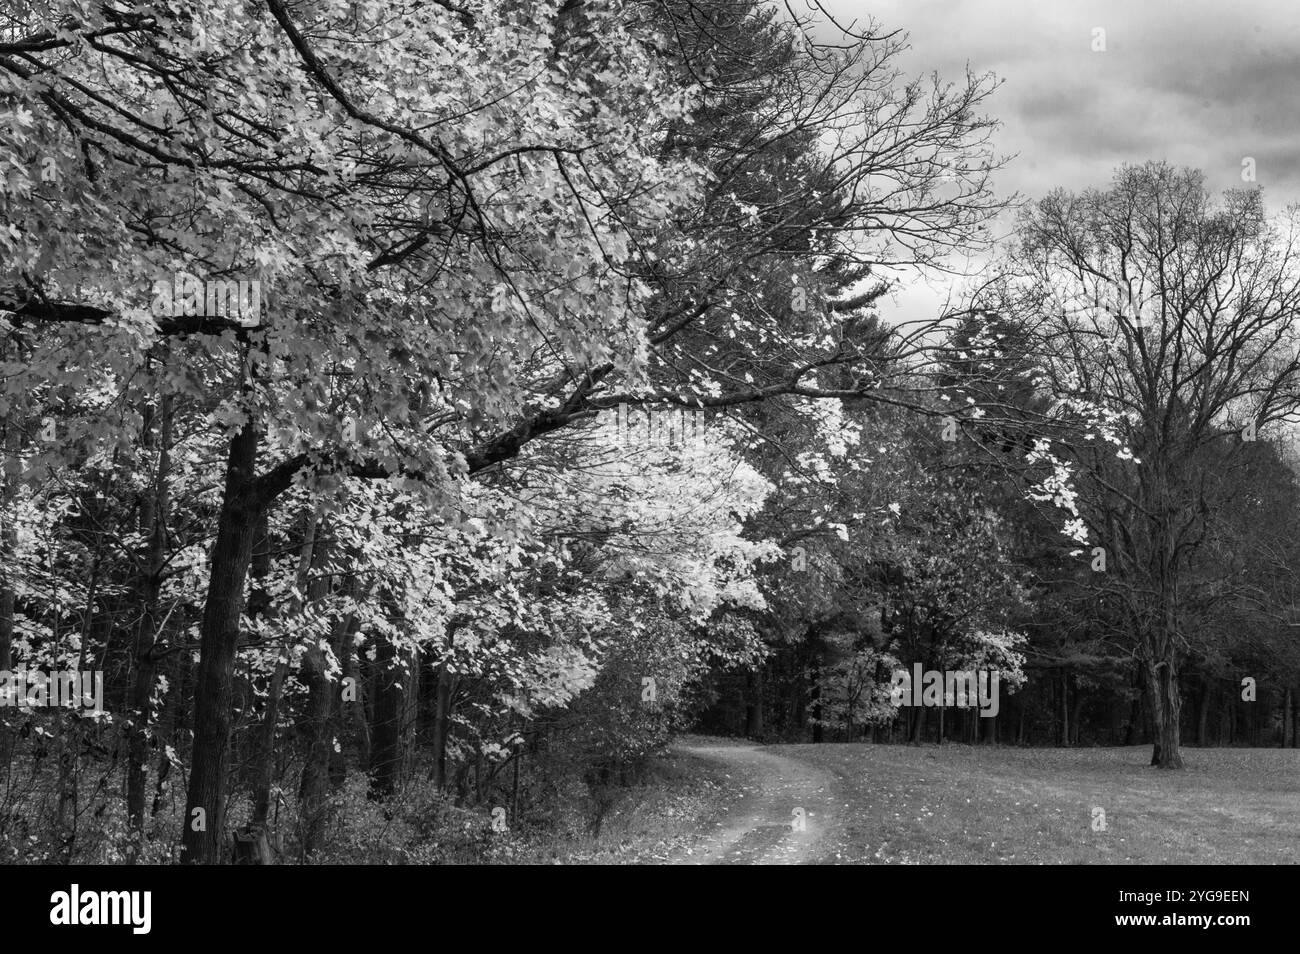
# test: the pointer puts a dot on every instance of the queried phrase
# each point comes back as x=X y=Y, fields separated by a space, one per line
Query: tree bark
x=388 y=752
x=1132 y=733
x=754 y=711
x=8 y=542
x=1064 y=682
x=815 y=703
x=155 y=513
x=271 y=714
x=205 y=808
x=356 y=708
x=8 y=548
x=1203 y=715
x=313 y=792
x=1166 y=710
x=441 y=725
x=1076 y=710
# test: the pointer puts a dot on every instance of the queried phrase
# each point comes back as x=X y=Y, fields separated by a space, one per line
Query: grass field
x=955 y=804
x=962 y=804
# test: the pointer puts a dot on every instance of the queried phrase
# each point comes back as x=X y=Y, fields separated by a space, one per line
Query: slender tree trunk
x=204 y=822
x=1064 y=683
x=441 y=725
x=175 y=666
x=313 y=793
x=264 y=770
x=1203 y=715
x=8 y=543
x=815 y=699
x=1132 y=733
x=754 y=711
x=9 y=444
x=356 y=708
x=8 y=593
x=155 y=513
x=388 y=755
x=1076 y=710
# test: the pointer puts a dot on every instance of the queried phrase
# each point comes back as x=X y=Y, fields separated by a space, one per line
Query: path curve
x=783 y=817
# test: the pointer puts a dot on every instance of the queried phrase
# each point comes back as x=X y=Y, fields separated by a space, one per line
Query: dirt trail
x=782 y=818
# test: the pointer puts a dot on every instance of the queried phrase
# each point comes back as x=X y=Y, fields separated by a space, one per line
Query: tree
x=401 y=243
x=1163 y=331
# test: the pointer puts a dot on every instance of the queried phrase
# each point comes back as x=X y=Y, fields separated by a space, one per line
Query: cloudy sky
x=1194 y=82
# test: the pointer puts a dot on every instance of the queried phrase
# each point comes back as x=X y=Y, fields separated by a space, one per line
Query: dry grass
x=976 y=805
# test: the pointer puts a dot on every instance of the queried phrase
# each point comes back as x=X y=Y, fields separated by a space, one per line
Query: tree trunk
x=241 y=506
x=355 y=708
x=8 y=543
x=1064 y=736
x=1166 y=710
x=815 y=703
x=10 y=442
x=754 y=711
x=154 y=516
x=8 y=547
x=313 y=793
x=388 y=752
x=176 y=667
x=1132 y=733
x=441 y=725
x=265 y=756
x=1076 y=710
x=1203 y=715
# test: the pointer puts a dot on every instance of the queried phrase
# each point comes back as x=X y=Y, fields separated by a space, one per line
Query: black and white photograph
x=650 y=432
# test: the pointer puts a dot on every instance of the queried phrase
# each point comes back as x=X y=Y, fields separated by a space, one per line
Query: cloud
x=1192 y=82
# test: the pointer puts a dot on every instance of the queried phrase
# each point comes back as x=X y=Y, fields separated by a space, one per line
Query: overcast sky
x=1194 y=82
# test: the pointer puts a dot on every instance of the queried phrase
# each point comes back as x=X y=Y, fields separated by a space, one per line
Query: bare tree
x=1169 y=322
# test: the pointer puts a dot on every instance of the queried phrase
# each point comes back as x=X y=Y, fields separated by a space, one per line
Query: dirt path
x=782 y=818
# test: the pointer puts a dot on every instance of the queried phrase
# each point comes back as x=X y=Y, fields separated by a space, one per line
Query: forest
x=416 y=414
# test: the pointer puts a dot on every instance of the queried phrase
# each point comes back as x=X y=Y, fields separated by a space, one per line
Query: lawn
x=983 y=805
